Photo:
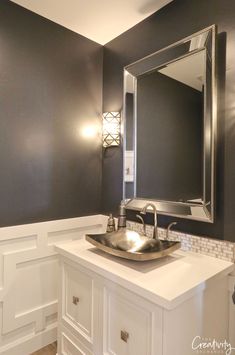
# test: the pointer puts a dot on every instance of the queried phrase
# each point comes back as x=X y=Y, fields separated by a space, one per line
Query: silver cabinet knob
x=124 y=336
x=75 y=300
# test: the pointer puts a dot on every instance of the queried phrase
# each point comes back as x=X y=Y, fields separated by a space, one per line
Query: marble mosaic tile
x=221 y=249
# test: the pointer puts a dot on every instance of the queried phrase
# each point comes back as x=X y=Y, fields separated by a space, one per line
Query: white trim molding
x=28 y=280
x=231 y=288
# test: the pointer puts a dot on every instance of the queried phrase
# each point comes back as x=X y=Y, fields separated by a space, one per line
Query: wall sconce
x=111 y=129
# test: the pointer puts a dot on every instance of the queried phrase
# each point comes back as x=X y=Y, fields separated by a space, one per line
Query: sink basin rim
x=137 y=256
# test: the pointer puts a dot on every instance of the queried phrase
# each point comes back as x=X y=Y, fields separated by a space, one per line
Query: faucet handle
x=142 y=220
x=168 y=229
x=154 y=209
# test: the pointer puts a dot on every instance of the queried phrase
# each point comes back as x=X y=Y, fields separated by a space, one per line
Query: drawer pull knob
x=124 y=336
x=75 y=300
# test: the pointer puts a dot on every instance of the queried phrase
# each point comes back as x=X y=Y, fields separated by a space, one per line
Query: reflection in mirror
x=169 y=107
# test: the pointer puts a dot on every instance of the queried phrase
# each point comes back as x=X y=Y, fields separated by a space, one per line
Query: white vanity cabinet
x=111 y=307
x=99 y=317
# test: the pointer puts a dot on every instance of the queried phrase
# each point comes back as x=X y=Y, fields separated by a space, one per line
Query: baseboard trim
x=30 y=344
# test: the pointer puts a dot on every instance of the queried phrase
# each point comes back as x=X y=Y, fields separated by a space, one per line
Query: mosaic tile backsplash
x=208 y=246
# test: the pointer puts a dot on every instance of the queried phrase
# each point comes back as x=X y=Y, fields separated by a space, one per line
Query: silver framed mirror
x=170 y=120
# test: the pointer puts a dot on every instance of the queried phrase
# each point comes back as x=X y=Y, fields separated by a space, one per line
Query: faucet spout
x=155 y=228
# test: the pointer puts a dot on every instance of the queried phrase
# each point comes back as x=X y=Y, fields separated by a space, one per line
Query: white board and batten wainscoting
x=28 y=280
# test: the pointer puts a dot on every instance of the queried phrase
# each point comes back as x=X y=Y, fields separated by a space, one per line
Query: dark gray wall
x=179 y=19
x=50 y=85
x=170 y=115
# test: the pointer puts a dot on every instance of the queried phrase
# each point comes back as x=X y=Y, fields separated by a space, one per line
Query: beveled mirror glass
x=170 y=129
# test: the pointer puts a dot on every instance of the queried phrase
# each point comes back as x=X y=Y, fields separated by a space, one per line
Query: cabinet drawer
x=71 y=346
x=77 y=301
x=132 y=326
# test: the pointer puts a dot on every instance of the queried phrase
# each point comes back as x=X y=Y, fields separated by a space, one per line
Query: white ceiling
x=98 y=20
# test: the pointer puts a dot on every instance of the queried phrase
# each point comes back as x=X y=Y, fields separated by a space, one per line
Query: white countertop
x=167 y=282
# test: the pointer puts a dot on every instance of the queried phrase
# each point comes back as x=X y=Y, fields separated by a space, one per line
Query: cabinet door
x=77 y=299
x=132 y=326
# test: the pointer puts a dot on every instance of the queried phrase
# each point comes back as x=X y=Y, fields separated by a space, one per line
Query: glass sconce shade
x=111 y=129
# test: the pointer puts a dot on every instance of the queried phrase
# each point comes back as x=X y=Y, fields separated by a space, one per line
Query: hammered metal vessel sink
x=131 y=245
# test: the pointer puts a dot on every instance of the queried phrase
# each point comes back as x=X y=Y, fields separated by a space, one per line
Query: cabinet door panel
x=129 y=326
x=78 y=301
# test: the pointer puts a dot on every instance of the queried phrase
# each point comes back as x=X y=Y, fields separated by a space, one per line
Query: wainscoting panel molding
x=28 y=280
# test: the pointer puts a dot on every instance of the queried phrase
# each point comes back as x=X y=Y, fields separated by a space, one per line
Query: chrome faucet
x=144 y=210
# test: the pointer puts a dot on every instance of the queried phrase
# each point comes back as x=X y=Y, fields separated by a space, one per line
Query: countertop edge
x=139 y=290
